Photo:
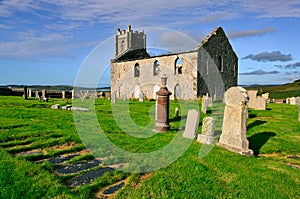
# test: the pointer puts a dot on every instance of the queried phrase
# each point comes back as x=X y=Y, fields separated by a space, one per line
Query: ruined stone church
x=211 y=68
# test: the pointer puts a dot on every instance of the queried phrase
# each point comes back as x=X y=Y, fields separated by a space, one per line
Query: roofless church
x=210 y=68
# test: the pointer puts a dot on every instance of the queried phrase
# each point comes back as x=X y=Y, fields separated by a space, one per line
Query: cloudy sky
x=46 y=42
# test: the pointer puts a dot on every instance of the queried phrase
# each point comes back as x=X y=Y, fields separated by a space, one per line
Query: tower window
x=136 y=70
x=156 y=68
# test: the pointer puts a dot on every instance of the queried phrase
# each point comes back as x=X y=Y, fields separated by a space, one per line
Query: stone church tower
x=129 y=40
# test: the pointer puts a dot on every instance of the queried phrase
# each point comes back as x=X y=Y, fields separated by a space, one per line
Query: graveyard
x=43 y=156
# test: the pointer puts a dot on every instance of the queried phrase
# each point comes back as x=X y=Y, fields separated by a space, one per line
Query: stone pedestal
x=234 y=127
x=162 y=107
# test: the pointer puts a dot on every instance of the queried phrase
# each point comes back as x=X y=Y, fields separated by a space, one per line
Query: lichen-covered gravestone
x=208 y=131
x=234 y=127
x=192 y=123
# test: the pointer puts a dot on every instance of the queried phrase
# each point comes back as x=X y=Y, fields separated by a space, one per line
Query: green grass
x=29 y=124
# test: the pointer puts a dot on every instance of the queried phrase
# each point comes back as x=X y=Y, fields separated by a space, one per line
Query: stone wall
x=183 y=86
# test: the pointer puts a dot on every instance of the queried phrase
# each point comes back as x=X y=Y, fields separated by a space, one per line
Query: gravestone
x=208 y=134
x=25 y=93
x=252 y=98
x=44 y=94
x=234 y=127
x=192 y=123
x=293 y=101
x=287 y=101
x=37 y=94
x=73 y=94
x=266 y=96
x=176 y=112
x=29 y=93
x=63 y=94
x=124 y=98
x=260 y=103
x=297 y=100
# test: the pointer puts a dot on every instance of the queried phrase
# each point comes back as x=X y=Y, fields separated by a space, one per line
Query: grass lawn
x=28 y=125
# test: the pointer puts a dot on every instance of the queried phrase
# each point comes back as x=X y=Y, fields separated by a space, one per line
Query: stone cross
x=208 y=131
x=234 y=127
x=192 y=123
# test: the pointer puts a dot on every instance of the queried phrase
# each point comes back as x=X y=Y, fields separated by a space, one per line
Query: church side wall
x=125 y=82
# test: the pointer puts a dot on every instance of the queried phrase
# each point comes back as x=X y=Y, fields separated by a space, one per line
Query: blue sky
x=46 y=42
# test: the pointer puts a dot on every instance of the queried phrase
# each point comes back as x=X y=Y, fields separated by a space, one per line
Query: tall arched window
x=178 y=66
x=156 y=68
x=136 y=70
x=122 y=46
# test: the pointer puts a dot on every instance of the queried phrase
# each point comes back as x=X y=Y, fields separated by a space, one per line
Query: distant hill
x=278 y=91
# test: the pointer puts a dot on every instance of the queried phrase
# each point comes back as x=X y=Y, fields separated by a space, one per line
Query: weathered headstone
x=266 y=96
x=141 y=97
x=124 y=98
x=293 y=101
x=25 y=93
x=260 y=103
x=73 y=94
x=63 y=94
x=29 y=93
x=287 y=101
x=192 y=124
x=234 y=127
x=252 y=98
x=208 y=134
x=176 y=112
x=297 y=100
x=44 y=94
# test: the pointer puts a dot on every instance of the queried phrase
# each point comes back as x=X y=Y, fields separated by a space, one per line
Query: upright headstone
x=192 y=123
x=266 y=96
x=234 y=127
x=252 y=98
x=63 y=94
x=124 y=98
x=29 y=92
x=37 y=94
x=293 y=101
x=204 y=104
x=176 y=112
x=44 y=94
x=260 y=103
x=287 y=101
x=208 y=131
x=162 y=107
x=141 y=97
x=297 y=100
x=73 y=94
x=25 y=93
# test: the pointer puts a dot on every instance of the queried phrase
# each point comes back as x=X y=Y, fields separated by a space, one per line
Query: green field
x=31 y=126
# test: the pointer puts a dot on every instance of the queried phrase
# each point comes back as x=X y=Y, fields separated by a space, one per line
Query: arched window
x=156 y=68
x=220 y=66
x=178 y=66
x=122 y=46
x=136 y=70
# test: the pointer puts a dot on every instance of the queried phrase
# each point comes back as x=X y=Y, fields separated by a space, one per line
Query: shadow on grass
x=252 y=115
x=257 y=141
x=255 y=123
